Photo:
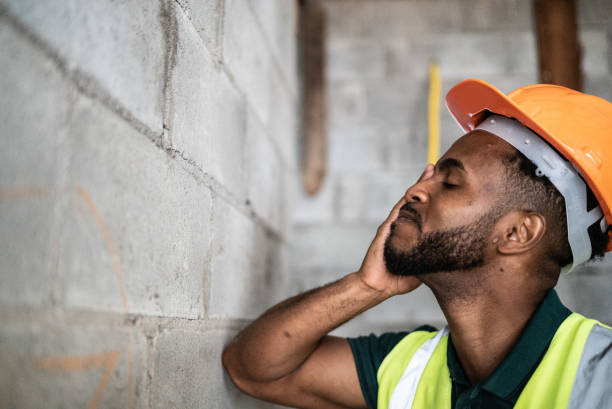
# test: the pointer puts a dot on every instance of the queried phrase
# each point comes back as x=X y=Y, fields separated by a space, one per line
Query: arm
x=285 y=356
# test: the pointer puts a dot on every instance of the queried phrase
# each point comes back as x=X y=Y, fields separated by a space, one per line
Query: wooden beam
x=559 y=50
x=314 y=95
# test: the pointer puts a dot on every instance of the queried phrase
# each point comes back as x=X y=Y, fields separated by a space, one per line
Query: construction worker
x=523 y=196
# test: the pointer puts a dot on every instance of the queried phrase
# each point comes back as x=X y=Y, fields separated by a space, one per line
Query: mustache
x=409 y=212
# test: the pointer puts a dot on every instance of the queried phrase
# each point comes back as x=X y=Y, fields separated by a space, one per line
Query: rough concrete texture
x=156 y=253
x=174 y=386
x=144 y=195
x=206 y=18
x=203 y=104
x=36 y=162
x=378 y=58
x=126 y=63
x=58 y=364
x=245 y=265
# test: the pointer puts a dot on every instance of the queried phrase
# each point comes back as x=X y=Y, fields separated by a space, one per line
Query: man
x=488 y=230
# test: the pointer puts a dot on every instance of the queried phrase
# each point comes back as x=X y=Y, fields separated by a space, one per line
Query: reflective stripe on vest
x=578 y=363
x=405 y=390
x=592 y=388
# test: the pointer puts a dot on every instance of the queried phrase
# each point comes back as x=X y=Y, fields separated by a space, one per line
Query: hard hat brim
x=470 y=101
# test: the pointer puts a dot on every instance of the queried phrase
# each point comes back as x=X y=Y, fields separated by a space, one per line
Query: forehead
x=479 y=151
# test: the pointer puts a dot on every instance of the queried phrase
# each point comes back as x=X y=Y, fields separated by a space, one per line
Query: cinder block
x=206 y=17
x=351 y=58
x=370 y=197
x=245 y=278
x=62 y=366
x=136 y=233
x=351 y=195
x=460 y=55
x=246 y=55
x=610 y=51
x=398 y=111
x=595 y=49
x=189 y=373
x=407 y=148
x=339 y=248
x=119 y=44
x=279 y=19
x=496 y=15
x=384 y=190
x=207 y=119
x=600 y=86
x=318 y=208
x=355 y=148
x=347 y=102
x=396 y=104
x=283 y=122
x=465 y=55
x=265 y=170
x=594 y=12
x=587 y=291
x=393 y=18
x=33 y=112
x=520 y=53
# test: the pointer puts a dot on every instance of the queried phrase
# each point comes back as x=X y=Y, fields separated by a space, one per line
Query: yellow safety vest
x=575 y=372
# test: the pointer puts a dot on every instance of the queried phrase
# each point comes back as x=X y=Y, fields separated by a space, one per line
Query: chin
x=402 y=244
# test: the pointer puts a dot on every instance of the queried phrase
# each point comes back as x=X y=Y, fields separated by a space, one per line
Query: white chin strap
x=562 y=175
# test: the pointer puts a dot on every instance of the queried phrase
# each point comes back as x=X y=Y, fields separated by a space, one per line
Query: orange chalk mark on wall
x=112 y=250
x=8 y=193
x=110 y=244
x=76 y=363
x=107 y=360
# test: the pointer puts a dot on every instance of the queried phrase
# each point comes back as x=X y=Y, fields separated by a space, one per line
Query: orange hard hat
x=577 y=125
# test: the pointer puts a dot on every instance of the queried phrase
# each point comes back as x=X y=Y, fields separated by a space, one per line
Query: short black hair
x=531 y=192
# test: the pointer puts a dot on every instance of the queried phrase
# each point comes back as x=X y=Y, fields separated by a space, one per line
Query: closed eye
x=449 y=185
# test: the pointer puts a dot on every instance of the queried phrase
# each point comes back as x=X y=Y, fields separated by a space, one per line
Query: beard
x=459 y=248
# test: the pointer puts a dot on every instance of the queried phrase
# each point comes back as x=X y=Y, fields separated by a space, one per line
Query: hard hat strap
x=561 y=174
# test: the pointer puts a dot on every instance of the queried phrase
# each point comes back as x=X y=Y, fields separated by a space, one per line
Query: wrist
x=372 y=293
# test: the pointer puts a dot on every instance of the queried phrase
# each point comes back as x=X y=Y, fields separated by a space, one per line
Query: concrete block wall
x=149 y=152
x=378 y=57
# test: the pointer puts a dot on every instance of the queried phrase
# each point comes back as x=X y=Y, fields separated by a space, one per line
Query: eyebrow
x=450 y=162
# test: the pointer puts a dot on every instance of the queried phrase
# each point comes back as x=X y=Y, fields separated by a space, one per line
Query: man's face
x=446 y=222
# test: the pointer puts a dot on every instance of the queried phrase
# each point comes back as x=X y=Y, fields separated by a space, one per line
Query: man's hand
x=373 y=271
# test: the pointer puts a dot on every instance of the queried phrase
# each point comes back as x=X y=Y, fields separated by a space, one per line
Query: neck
x=487 y=310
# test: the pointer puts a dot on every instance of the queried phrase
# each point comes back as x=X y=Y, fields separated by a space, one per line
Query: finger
x=395 y=211
x=427 y=173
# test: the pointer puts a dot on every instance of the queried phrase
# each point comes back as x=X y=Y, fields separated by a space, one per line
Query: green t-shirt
x=500 y=390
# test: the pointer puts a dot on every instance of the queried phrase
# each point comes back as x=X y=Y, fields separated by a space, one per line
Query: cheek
x=454 y=214
x=489 y=187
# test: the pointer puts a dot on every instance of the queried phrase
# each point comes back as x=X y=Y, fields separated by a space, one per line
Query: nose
x=417 y=193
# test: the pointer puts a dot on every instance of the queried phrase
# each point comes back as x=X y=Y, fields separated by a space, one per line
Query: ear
x=519 y=232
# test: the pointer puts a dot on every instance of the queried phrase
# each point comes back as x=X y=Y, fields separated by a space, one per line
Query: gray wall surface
x=150 y=202
x=378 y=57
x=148 y=162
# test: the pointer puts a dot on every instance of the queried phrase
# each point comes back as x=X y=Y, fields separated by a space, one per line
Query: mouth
x=408 y=216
